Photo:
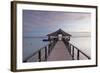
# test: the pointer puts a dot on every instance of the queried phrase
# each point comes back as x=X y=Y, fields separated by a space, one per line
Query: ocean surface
x=31 y=44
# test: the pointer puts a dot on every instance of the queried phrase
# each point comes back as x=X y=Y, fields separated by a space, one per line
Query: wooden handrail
x=47 y=52
x=72 y=50
x=80 y=51
x=33 y=54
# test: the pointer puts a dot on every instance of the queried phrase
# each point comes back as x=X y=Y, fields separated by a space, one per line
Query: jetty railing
x=41 y=54
x=75 y=54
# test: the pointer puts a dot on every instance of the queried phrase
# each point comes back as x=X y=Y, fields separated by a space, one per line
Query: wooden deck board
x=59 y=52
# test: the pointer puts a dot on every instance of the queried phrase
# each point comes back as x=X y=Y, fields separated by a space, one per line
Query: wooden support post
x=52 y=46
x=70 y=48
x=49 y=48
x=73 y=53
x=45 y=53
x=39 y=56
x=77 y=54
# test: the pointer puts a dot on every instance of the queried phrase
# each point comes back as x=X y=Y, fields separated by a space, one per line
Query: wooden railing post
x=69 y=48
x=50 y=46
x=39 y=56
x=77 y=54
x=45 y=53
x=73 y=52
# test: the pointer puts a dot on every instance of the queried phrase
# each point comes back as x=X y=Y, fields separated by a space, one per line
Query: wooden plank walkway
x=59 y=52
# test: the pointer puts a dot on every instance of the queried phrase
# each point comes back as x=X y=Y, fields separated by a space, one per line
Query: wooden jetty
x=59 y=49
x=59 y=52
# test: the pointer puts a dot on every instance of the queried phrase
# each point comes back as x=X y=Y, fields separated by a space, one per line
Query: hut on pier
x=59 y=35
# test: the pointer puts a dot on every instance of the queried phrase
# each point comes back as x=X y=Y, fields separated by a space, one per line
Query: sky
x=41 y=23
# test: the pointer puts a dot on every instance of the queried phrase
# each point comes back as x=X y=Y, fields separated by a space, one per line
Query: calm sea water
x=30 y=45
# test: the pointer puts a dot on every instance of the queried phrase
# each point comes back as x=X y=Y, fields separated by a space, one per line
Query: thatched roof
x=60 y=31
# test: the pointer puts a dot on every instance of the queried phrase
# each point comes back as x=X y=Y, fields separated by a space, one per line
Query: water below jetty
x=31 y=44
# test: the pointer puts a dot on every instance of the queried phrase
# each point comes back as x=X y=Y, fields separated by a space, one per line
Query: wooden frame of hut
x=59 y=35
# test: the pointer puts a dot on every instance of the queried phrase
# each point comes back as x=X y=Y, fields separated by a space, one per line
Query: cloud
x=44 y=22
